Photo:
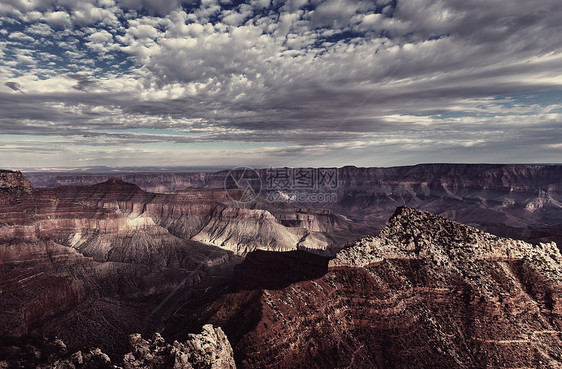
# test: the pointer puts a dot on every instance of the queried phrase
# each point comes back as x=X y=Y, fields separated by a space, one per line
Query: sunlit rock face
x=426 y=293
x=209 y=349
x=210 y=217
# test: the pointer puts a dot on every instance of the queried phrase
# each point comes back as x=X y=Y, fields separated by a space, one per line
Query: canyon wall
x=505 y=199
x=98 y=262
x=426 y=293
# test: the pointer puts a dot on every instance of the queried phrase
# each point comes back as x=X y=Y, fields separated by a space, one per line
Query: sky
x=279 y=82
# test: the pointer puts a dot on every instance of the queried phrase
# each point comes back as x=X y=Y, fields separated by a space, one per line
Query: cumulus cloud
x=87 y=14
x=58 y=19
x=25 y=59
x=40 y=29
x=19 y=36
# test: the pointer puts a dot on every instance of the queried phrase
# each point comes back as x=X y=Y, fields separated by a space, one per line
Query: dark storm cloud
x=83 y=82
x=14 y=86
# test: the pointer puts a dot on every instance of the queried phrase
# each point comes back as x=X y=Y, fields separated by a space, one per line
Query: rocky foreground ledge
x=209 y=350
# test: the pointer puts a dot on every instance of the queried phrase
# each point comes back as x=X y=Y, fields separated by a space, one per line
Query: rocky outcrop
x=426 y=293
x=13 y=180
x=35 y=352
x=208 y=350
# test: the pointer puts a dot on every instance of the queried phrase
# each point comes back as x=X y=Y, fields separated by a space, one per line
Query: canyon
x=95 y=263
x=408 y=267
x=520 y=201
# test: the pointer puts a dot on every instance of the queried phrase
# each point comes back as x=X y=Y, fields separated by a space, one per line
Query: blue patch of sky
x=542 y=98
x=438 y=37
x=51 y=44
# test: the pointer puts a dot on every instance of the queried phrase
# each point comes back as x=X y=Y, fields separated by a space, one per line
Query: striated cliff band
x=519 y=201
x=425 y=293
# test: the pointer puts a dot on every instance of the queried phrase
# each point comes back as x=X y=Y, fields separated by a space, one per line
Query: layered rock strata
x=426 y=293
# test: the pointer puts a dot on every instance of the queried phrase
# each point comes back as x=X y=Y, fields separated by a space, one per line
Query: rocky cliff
x=97 y=262
x=426 y=293
x=520 y=196
x=210 y=217
x=80 y=270
x=13 y=180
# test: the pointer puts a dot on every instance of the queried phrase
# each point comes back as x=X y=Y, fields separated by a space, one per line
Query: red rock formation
x=519 y=196
x=209 y=349
x=80 y=262
x=58 y=258
x=13 y=180
x=425 y=293
x=208 y=216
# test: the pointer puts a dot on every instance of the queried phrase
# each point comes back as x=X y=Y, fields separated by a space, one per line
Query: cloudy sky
x=279 y=82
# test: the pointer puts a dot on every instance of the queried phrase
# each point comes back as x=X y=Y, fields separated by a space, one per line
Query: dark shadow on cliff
x=277 y=270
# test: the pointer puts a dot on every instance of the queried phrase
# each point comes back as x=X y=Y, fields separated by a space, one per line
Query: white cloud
x=25 y=59
x=101 y=37
x=58 y=19
x=19 y=36
x=294 y=75
x=40 y=29
x=143 y=31
x=88 y=14
x=101 y=42
x=260 y=4
x=32 y=16
x=335 y=13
